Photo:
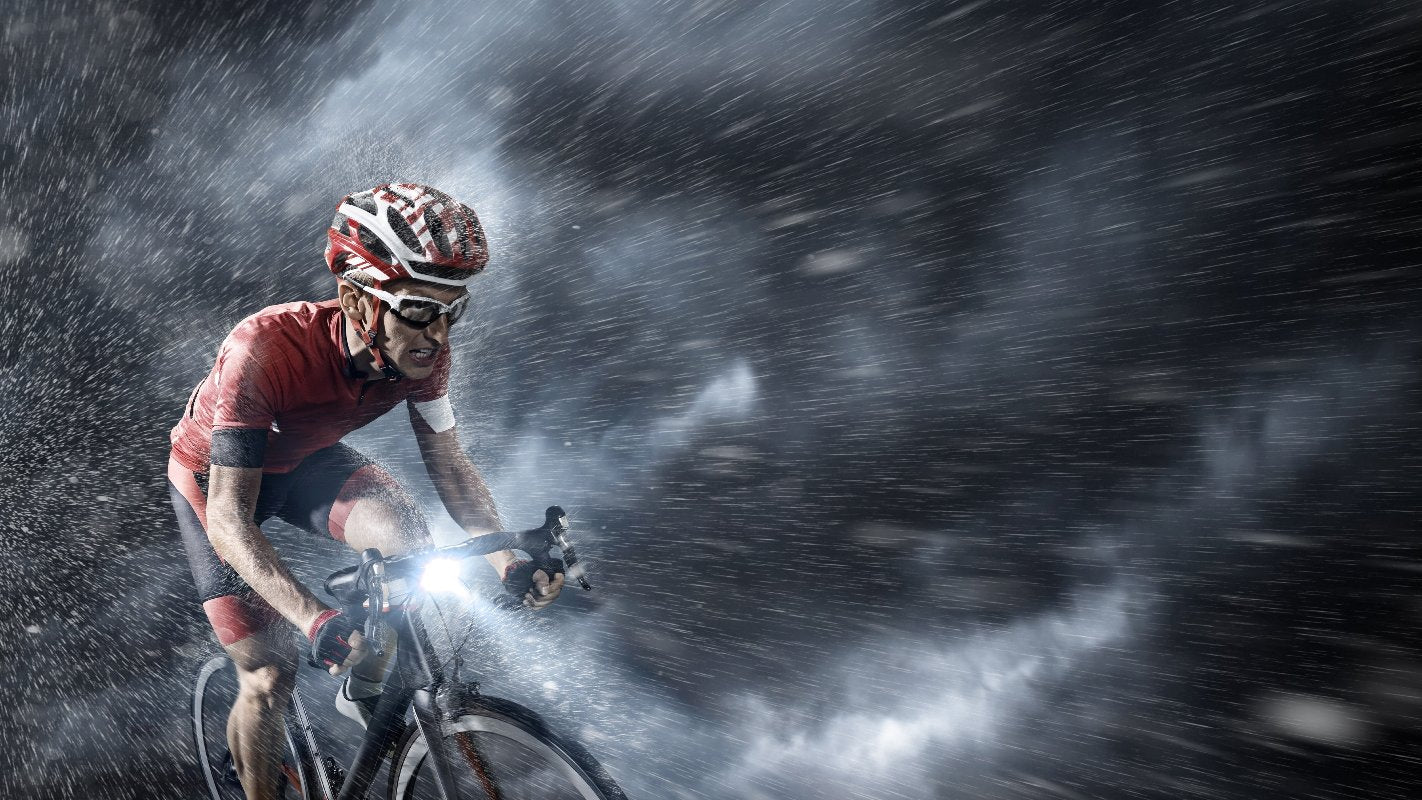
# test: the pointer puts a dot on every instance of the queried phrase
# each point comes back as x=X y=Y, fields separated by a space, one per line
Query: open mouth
x=423 y=356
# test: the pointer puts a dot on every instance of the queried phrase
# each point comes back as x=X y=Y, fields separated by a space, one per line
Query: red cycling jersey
x=287 y=369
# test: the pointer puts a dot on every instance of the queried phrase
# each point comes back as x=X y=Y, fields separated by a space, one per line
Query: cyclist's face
x=414 y=349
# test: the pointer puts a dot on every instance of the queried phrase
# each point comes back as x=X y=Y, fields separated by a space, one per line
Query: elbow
x=220 y=539
x=225 y=533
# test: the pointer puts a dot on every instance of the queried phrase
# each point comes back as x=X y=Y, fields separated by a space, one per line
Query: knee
x=391 y=522
x=269 y=684
x=401 y=514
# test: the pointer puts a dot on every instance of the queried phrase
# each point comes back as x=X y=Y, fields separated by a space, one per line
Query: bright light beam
x=441 y=576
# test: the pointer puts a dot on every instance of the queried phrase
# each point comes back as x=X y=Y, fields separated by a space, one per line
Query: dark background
x=957 y=400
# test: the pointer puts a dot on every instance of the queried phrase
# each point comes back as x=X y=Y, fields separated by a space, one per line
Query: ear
x=354 y=303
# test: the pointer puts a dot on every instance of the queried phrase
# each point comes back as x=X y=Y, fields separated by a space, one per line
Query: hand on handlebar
x=532 y=585
x=544 y=591
x=359 y=650
x=336 y=641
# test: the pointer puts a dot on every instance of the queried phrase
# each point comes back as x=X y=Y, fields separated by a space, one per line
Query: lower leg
x=361 y=691
x=254 y=734
x=255 y=725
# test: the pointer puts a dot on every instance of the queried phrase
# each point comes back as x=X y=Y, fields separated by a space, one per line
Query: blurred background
x=954 y=399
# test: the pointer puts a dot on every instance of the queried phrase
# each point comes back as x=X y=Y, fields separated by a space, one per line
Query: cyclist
x=261 y=438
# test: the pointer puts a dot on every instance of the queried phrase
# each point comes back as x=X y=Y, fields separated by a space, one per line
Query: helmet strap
x=367 y=335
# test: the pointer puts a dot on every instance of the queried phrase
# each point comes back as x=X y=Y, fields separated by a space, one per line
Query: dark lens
x=420 y=314
x=457 y=309
x=417 y=313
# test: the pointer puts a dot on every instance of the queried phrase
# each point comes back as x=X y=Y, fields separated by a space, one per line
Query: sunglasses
x=420 y=312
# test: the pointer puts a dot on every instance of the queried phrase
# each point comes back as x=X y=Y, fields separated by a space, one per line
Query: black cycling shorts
x=317 y=497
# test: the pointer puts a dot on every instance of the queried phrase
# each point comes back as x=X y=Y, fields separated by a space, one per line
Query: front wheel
x=507 y=754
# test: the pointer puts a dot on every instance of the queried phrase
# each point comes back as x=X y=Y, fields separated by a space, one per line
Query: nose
x=438 y=331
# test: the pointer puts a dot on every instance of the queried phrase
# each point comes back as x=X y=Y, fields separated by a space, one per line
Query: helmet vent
x=441 y=271
x=437 y=233
x=365 y=201
x=403 y=230
x=376 y=247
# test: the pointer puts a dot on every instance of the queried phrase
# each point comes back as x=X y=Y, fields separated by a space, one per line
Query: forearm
x=466 y=496
x=464 y=493
x=241 y=544
x=467 y=499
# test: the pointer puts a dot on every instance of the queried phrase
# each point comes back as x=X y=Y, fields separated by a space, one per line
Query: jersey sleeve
x=430 y=410
x=249 y=391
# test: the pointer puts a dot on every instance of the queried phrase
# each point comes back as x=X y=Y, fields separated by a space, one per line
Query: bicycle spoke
x=480 y=765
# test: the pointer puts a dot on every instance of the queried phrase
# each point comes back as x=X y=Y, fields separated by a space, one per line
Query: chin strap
x=367 y=335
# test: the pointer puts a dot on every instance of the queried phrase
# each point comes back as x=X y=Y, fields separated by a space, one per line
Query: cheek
x=395 y=331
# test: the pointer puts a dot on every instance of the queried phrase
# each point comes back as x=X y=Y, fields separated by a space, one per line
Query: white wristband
x=438 y=414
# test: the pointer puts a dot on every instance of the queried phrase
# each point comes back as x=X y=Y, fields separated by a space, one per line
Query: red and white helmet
x=406 y=230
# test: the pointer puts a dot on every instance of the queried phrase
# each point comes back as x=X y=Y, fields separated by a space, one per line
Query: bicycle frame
x=418 y=678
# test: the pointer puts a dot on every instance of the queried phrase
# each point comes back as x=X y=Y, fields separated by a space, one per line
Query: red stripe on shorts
x=187 y=484
x=235 y=618
x=367 y=481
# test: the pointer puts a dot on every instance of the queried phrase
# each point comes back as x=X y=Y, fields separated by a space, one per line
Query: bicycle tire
x=502 y=725
x=212 y=700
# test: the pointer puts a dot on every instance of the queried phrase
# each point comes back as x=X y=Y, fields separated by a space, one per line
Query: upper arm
x=431 y=416
x=249 y=394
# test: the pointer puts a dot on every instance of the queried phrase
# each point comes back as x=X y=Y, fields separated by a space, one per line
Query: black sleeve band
x=239 y=447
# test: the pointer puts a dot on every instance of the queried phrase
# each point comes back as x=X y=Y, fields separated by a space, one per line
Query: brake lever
x=554 y=533
x=373 y=564
x=570 y=557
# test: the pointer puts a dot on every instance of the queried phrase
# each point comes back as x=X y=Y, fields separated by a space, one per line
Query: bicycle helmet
x=403 y=230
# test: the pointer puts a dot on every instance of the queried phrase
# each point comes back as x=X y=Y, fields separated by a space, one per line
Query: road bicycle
x=462 y=745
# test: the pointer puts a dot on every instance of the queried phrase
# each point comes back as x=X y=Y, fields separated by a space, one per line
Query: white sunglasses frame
x=396 y=300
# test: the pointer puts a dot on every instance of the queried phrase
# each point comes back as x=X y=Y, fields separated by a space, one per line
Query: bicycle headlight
x=441 y=575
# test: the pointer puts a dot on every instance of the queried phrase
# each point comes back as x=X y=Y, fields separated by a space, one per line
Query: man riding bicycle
x=261 y=434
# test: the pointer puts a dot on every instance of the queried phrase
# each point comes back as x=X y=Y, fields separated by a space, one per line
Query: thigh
x=341 y=493
x=313 y=501
x=380 y=513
